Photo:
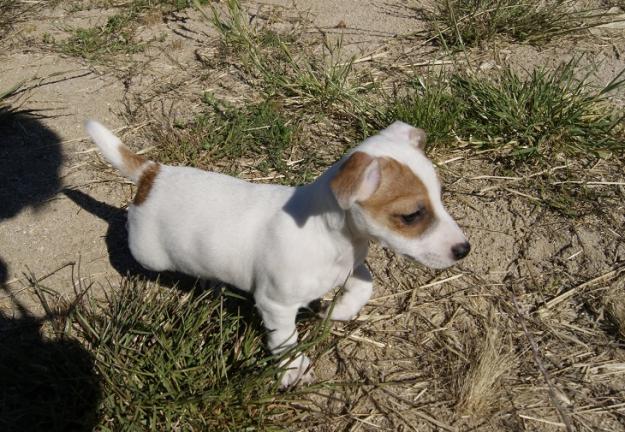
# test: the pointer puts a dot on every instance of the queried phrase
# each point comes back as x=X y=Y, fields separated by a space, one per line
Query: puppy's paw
x=298 y=371
x=340 y=312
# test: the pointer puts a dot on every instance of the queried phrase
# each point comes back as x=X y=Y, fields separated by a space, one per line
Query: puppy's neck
x=315 y=203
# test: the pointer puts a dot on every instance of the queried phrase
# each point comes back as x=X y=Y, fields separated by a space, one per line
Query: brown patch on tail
x=132 y=162
x=146 y=181
x=400 y=192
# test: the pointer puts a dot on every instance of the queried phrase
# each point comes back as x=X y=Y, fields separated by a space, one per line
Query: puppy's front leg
x=358 y=289
x=279 y=321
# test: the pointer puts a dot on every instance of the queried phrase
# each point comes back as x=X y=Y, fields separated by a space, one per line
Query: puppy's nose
x=460 y=250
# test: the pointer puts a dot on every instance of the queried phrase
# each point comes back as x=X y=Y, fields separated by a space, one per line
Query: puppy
x=289 y=246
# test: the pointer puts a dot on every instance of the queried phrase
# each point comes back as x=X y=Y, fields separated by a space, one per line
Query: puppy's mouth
x=430 y=262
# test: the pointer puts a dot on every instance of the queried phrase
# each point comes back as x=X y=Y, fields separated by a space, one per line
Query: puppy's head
x=392 y=193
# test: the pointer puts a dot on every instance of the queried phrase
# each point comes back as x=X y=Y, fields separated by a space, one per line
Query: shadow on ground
x=30 y=161
x=46 y=384
x=124 y=263
x=117 y=243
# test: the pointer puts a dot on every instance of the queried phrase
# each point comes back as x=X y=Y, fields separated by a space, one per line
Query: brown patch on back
x=345 y=184
x=400 y=192
x=132 y=162
x=146 y=181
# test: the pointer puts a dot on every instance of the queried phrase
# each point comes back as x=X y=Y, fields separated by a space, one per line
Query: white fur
x=109 y=145
x=288 y=246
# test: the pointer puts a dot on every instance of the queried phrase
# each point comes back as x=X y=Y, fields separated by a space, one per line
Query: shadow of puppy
x=120 y=257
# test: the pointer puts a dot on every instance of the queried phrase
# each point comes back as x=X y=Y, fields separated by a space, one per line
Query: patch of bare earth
x=526 y=334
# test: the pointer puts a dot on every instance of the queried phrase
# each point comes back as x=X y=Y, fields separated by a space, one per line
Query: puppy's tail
x=131 y=165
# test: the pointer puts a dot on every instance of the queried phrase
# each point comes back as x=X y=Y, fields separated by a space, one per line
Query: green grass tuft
x=224 y=135
x=425 y=103
x=116 y=36
x=548 y=112
x=460 y=23
x=146 y=358
x=170 y=360
x=174 y=361
x=306 y=81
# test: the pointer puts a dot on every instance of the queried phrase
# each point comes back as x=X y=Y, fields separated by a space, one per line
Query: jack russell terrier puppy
x=289 y=246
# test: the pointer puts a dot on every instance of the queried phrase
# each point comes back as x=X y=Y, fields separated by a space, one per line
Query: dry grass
x=614 y=304
x=480 y=388
x=467 y=23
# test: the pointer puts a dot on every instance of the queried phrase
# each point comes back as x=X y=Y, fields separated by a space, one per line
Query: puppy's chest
x=331 y=274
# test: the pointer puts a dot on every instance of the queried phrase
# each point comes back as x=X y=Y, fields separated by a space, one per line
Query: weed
x=307 y=81
x=549 y=112
x=172 y=360
x=480 y=385
x=147 y=358
x=11 y=106
x=118 y=34
x=426 y=103
x=6 y=109
x=459 y=23
x=224 y=134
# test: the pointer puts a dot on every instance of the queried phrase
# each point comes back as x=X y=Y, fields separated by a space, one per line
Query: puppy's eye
x=415 y=217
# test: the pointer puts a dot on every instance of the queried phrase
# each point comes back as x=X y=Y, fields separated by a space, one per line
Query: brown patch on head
x=132 y=162
x=347 y=184
x=401 y=194
x=146 y=181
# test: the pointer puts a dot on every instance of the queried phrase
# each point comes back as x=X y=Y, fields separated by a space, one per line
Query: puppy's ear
x=404 y=132
x=357 y=179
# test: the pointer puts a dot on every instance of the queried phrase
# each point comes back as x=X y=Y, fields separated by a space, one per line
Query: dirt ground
x=541 y=278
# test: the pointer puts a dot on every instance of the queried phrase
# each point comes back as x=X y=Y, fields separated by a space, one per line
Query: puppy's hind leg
x=357 y=291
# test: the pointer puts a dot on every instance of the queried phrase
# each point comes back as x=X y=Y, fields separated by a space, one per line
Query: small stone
x=616 y=26
x=487 y=65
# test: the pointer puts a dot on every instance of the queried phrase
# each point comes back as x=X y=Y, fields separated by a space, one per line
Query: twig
x=365 y=59
x=568 y=293
x=432 y=284
x=604 y=408
x=591 y=183
x=272 y=177
x=549 y=422
x=432 y=420
x=485 y=177
x=522 y=194
x=357 y=338
x=516 y=179
x=448 y=161
x=566 y=420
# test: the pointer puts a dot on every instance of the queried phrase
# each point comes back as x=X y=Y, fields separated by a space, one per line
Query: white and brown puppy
x=290 y=246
